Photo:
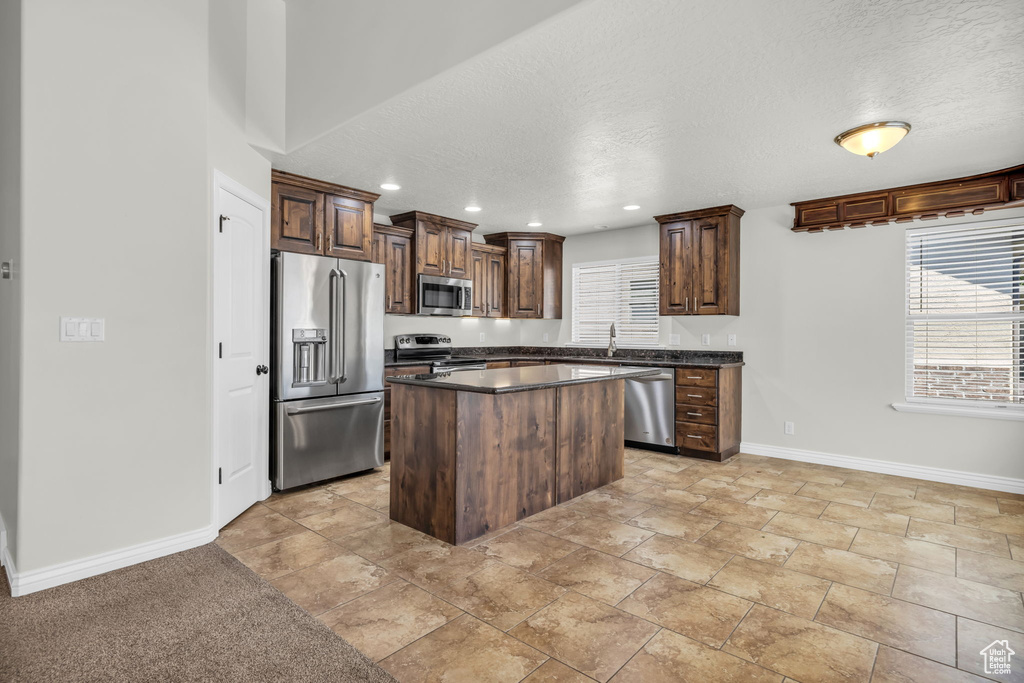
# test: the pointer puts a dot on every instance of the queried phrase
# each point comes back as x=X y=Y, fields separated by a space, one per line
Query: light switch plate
x=73 y=329
x=732 y=340
x=546 y=337
x=705 y=339
x=481 y=336
x=673 y=340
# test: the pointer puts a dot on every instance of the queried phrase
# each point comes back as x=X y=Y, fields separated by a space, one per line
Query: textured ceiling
x=677 y=105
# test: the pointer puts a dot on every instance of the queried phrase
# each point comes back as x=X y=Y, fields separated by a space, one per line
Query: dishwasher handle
x=653 y=378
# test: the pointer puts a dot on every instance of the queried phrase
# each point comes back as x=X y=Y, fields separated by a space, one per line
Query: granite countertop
x=640 y=357
x=508 y=380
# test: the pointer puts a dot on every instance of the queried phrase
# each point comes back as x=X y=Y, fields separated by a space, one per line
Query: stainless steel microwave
x=444 y=296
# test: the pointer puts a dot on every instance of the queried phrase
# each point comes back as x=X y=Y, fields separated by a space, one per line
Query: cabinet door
x=675 y=296
x=460 y=250
x=297 y=220
x=431 y=251
x=496 y=269
x=398 y=274
x=708 y=249
x=478 y=273
x=525 y=278
x=378 y=247
x=349 y=228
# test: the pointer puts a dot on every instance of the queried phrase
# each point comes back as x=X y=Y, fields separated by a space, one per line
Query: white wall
x=344 y=58
x=10 y=250
x=822 y=331
x=119 y=146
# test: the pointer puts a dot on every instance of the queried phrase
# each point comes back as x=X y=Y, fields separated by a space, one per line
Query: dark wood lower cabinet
x=466 y=463
x=708 y=412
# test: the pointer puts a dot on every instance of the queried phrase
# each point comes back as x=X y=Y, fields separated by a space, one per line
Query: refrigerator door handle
x=337 y=324
x=333 y=406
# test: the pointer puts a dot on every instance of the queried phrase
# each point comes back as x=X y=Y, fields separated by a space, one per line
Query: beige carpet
x=199 y=615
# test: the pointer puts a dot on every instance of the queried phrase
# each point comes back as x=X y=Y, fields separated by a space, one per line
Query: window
x=964 y=317
x=624 y=293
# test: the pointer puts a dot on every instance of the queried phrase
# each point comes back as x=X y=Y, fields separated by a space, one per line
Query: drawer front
x=691 y=377
x=498 y=364
x=696 y=396
x=707 y=415
x=526 y=363
x=697 y=436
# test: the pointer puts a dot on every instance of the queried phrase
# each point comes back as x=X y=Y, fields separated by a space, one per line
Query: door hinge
x=222 y=219
x=220 y=477
x=220 y=349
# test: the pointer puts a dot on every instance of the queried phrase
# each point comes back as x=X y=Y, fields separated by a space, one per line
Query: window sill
x=618 y=346
x=962 y=411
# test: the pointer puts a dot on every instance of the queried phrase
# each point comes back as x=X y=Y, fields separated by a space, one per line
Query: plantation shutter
x=964 y=317
x=623 y=293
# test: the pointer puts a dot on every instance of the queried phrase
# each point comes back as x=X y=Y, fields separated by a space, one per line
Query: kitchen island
x=476 y=450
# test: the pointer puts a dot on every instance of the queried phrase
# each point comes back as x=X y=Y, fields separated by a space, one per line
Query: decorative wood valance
x=949 y=198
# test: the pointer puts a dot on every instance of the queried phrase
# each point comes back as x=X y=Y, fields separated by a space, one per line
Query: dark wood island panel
x=465 y=463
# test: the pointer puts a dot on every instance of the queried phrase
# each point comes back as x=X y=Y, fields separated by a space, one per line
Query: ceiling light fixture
x=873 y=138
x=472 y=208
x=390 y=186
x=600 y=227
x=631 y=207
x=534 y=224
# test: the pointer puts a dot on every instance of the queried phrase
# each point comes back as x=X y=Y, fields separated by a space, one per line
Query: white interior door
x=241 y=328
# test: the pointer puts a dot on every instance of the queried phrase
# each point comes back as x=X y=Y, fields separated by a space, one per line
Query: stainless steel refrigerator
x=328 y=382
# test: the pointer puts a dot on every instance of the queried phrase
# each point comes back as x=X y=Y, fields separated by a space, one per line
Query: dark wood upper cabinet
x=393 y=248
x=949 y=198
x=349 y=227
x=443 y=245
x=431 y=254
x=488 y=275
x=315 y=217
x=700 y=262
x=675 y=296
x=496 y=291
x=297 y=219
x=460 y=243
x=534 y=273
x=478 y=272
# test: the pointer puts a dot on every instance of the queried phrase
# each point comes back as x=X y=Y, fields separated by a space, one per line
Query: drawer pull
x=695 y=395
x=693 y=378
x=695 y=414
x=691 y=436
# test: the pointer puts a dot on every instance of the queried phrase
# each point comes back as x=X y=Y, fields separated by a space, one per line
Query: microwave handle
x=461 y=297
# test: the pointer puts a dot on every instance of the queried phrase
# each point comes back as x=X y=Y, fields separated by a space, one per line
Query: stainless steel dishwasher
x=650 y=411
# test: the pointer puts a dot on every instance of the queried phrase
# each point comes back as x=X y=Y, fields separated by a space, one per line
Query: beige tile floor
x=756 y=569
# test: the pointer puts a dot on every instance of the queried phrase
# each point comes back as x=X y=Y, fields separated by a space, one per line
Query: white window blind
x=964 y=317
x=624 y=293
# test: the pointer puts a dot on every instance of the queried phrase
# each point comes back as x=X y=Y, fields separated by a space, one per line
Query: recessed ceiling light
x=390 y=186
x=631 y=207
x=472 y=208
x=534 y=224
x=873 y=138
x=600 y=227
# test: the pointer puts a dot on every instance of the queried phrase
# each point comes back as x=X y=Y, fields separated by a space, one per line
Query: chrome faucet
x=611 y=341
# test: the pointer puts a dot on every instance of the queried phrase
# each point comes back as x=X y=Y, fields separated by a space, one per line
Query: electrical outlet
x=482 y=336
x=789 y=428
x=546 y=337
x=705 y=339
x=673 y=340
x=732 y=340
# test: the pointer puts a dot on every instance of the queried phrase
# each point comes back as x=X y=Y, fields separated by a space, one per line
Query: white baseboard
x=23 y=583
x=982 y=481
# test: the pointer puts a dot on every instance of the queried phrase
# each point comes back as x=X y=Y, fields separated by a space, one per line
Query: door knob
x=262 y=370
